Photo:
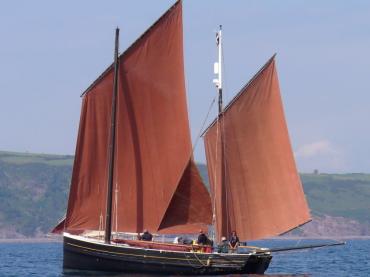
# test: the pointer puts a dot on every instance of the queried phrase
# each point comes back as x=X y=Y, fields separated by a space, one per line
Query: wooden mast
x=112 y=144
x=218 y=83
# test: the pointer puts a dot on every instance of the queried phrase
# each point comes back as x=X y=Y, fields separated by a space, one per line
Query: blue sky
x=51 y=51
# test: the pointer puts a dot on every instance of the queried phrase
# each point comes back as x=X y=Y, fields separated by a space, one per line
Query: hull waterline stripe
x=150 y=256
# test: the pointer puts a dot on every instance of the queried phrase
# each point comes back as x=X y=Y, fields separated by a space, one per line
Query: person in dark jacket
x=146 y=236
x=233 y=241
x=202 y=238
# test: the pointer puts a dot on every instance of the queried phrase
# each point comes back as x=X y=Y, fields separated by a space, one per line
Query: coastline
x=321 y=237
x=32 y=240
x=59 y=239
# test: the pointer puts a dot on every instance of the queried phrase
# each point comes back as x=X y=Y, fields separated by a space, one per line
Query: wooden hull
x=82 y=254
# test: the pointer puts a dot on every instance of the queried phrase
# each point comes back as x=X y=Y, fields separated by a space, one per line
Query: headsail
x=255 y=185
x=154 y=164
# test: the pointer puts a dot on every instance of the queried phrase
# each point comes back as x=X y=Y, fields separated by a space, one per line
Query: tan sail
x=156 y=183
x=255 y=185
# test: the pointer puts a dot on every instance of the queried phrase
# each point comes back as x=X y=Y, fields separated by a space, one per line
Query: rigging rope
x=215 y=178
x=223 y=142
x=116 y=186
x=116 y=207
x=199 y=260
x=201 y=130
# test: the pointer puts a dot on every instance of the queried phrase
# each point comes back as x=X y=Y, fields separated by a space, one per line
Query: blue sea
x=352 y=259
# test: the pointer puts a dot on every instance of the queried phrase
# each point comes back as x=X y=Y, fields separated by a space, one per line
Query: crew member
x=178 y=240
x=233 y=241
x=223 y=247
x=146 y=236
x=202 y=238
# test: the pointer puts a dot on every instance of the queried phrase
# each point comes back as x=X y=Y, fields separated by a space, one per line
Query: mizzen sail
x=156 y=183
x=256 y=189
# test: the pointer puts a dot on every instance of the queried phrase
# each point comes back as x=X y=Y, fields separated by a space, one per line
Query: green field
x=346 y=195
x=34 y=190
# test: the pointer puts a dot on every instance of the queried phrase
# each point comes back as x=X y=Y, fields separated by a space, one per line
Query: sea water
x=352 y=259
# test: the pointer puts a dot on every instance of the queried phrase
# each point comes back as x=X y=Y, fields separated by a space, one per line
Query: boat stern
x=257 y=263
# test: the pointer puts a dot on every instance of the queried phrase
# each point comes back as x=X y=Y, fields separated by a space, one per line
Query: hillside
x=34 y=191
x=346 y=195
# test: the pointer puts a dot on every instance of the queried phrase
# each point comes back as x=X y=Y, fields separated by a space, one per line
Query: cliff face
x=331 y=226
x=34 y=190
x=335 y=226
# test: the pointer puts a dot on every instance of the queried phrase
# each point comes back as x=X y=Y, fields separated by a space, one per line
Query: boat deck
x=164 y=245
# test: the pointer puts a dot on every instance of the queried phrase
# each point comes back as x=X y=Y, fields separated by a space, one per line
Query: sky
x=50 y=51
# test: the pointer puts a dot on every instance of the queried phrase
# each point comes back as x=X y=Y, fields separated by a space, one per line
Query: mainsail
x=156 y=183
x=256 y=189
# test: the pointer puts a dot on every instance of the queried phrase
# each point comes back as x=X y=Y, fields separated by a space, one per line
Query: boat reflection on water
x=78 y=273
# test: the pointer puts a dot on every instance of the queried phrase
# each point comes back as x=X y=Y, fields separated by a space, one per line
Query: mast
x=218 y=82
x=218 y=70
x=108 y=220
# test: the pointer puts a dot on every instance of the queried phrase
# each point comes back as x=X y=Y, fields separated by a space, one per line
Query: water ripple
x=352 y=259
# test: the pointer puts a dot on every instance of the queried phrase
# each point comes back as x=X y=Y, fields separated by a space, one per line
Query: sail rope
x=224 y=172
x=104 y=198
x=116 y=207
x=196 y=257
x=116 y=185
x=215 y=183
x=201 y=130
x=223 y=142
x=101 y=221
x=192 y=265
x=101 y=224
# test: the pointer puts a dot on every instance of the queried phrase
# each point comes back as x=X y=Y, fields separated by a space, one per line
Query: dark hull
x=85 y=255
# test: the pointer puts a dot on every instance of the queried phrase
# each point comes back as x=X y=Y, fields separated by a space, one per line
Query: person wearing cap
x=178 y=240
x=146 y=236
x=223 y=247
x=202 y=238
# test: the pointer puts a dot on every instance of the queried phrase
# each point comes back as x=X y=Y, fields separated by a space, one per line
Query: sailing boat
x=134 y=167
